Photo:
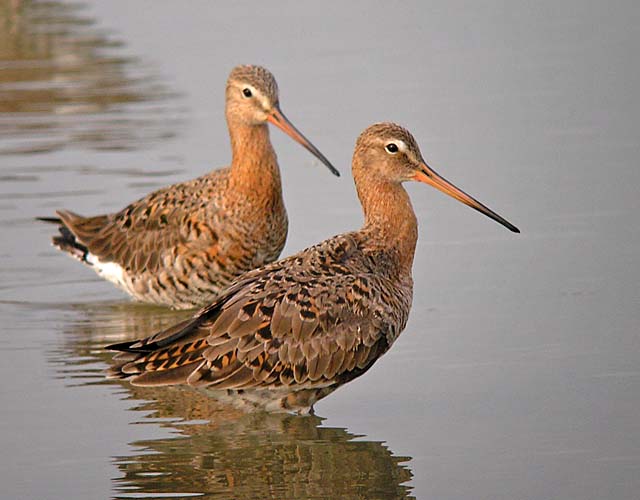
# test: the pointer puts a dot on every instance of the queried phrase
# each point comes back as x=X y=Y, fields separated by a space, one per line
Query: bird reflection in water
x=217 y=451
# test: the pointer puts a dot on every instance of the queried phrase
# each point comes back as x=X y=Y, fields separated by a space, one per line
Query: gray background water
x=518 y=375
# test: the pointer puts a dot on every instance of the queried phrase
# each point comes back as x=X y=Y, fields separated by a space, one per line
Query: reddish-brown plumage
x=181 y=245
x=287 y=334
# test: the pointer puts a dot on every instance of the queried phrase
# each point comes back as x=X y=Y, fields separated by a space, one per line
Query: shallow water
x=517 y=376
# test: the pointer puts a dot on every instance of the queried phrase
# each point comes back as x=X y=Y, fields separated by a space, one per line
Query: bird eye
x=247 y=92
x=391 y=148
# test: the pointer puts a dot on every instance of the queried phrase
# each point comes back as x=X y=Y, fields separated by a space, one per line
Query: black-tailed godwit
x=287 y=334
x=181 y=245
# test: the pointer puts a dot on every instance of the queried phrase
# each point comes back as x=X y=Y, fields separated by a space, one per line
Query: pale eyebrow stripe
x=256 y=93
x=401 y=145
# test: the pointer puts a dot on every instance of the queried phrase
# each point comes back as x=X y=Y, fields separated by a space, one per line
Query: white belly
x=108 y=270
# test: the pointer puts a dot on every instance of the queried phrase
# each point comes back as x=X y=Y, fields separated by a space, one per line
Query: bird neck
x=389 y=220
x=254 y=167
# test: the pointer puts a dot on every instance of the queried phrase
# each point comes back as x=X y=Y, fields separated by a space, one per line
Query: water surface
x=517 y=376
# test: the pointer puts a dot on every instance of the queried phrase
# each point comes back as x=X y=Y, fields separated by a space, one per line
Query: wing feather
x=286 y=324
x=139 y=236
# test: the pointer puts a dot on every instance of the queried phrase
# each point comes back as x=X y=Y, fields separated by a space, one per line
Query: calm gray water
x=518 y=376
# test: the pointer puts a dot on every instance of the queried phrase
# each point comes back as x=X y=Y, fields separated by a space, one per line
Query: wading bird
x=181 y=245
x=287 y=334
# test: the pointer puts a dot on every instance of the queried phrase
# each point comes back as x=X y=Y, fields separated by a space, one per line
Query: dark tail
x=156 y=360
x=50 y=220
x=67 y=242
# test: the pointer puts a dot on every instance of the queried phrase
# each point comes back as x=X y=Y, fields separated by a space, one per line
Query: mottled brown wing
x=169 y=356
x=309 y=321
x=281 y=341
x=139 y=236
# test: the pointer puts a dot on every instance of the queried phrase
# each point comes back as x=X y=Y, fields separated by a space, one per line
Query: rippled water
x=213 y=449
x=64 y=85
x=517 y=376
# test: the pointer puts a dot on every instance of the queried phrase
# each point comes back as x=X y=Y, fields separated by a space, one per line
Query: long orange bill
x=283 y=123
x=428 y=176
